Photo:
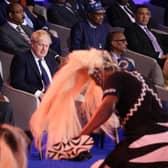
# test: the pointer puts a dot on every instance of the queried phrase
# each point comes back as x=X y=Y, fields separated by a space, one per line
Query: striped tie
x=153 y=40
x=22 y=33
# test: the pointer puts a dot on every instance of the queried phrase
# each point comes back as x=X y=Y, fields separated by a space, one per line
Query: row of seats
x=24 y=103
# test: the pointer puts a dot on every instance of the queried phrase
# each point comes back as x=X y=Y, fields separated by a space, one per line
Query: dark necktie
x=153 y=40
x=22 y=33
x=44 y=74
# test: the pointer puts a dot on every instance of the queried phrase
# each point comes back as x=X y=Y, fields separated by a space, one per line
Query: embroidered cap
x=94 y=5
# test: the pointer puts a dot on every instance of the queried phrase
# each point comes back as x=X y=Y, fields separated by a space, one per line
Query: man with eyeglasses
x=32 y=70
x=92 y=32
x=117 y=45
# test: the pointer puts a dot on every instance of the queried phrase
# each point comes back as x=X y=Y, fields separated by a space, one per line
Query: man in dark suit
x=32 y=71
x=142 y=40
x=92 y=32
x=60 y=12
x=121 y=13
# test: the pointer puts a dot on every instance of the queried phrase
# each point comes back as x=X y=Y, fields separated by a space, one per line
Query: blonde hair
x=41 y=35
x=13 y=147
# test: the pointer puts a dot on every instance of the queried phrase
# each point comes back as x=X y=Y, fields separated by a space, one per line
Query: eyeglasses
x=122 y=40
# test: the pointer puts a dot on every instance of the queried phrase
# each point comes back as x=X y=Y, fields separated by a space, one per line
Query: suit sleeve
x=18 y=74
x=136 y=44
x=76 y=37
x=8 y=45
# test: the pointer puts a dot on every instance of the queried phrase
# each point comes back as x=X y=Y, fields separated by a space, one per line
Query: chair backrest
x=23 y=103
x=163 y=27
x=147 y=66
x=159 y=31
x=162 y=92
x=41 y=10
x=158 y=17
x=6 y=60
x=63 y=33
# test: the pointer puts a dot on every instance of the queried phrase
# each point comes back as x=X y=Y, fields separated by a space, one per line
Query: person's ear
x=113 y=43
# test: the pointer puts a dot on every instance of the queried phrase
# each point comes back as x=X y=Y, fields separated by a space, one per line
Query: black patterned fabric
x=71 y=149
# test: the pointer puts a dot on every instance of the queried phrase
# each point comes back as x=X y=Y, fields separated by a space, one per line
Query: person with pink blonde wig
x=58 y=114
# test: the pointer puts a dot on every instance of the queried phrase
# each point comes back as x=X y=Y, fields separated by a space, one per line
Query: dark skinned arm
x=101 y=115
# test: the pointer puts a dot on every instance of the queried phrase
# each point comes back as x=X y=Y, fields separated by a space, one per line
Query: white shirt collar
x=142 y=26
x=91 y=25
x=115 y=57
x=12 y=24
x=35 y=57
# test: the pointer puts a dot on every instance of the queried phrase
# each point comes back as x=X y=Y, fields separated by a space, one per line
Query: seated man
x=142 y=40
x=92 y=32
x=62 y=13
x=32 y=70
x=117 y=45
x=121 y=13
x=15 y=37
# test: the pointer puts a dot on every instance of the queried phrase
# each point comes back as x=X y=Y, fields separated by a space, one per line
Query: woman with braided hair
x=141 y=116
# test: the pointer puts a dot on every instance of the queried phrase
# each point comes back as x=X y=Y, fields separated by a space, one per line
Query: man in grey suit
x=14 y=36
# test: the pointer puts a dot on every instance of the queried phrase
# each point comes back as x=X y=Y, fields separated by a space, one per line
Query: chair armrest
x=23 y=103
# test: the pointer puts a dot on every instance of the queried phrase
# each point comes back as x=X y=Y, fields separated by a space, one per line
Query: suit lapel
x=143 y=34
x=17 y=35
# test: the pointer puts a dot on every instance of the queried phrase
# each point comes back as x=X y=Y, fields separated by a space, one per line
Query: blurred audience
x=38 y=21
x=13 y=143
x=93 y=31
x=117 y=45
x=121 y=13
x=15 y=36
x=141 y=39
x=32 y=70
x=62 y=13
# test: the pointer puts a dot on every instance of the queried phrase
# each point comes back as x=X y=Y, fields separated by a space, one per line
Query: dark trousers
x=6 y=113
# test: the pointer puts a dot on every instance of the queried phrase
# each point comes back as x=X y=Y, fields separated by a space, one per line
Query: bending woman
x=142 y=117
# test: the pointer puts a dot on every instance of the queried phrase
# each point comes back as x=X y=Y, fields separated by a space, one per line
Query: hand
x=3 y=98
